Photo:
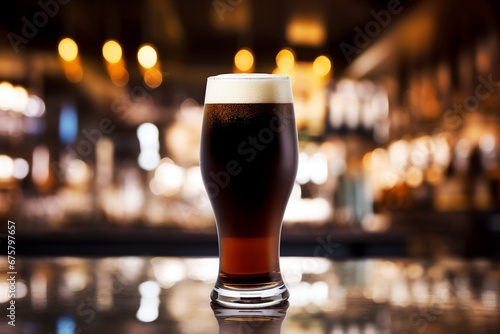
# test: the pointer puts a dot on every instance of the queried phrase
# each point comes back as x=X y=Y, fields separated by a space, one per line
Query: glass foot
x=249 y=297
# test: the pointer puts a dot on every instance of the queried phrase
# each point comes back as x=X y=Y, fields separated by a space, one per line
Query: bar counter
x=63 y=295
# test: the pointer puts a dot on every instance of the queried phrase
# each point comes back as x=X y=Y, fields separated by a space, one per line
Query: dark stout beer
x=249 y=162
x=257 y=142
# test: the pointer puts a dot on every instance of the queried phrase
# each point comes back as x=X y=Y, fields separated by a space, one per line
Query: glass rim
x=249 y=76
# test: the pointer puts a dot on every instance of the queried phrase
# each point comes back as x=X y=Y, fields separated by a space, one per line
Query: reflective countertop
x=66 y=295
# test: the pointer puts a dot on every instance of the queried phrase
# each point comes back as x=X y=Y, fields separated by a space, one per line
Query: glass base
x=249 y=297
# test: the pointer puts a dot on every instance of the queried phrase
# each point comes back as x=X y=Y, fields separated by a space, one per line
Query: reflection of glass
x=248 y=162
x=255 y=321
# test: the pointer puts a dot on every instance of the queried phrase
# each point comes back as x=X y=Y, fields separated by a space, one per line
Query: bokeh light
x=322 y=65
x=74 y=72
x=6 y=95
x=21 y=168
x=35 y=107
x=6 y=167
x=77 y=172
x=147 y=56
x=20 y=99
x=148 y=159
x=153 y=78
x=118 y=74
x=169 y=178
x=414 y=177
x=112 y=51
x=150 y=301
x=68 y=49
x=285 y=60
x=148 y=135
x=244 y=60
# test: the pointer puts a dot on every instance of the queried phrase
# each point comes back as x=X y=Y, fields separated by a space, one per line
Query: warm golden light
x=104 y=150
x=414 y=177
x=168 y=179
x=153 y=78
x=20 y=99
x=6 y=167
x=6 y=95
x=40 y=171
x=322 y=65
x=118 y=73
x=285 y=60
x=147 y=56
x=367 y=160
x=112 y=51
x=308 y=31
x=78 y=173
x=243 y=60
x=73 y=71
x=435 y=175
x=68 y=49
x=380 y=158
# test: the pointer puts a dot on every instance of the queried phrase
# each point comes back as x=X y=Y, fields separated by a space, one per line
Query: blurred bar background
x=397 y=106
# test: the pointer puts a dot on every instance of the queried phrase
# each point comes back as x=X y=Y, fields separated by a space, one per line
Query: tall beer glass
x=248 y=162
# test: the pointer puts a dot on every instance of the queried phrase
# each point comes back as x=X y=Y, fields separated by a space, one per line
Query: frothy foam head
x=248 y=88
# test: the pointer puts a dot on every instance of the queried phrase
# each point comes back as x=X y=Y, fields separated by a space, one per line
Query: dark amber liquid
x=248 y=163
